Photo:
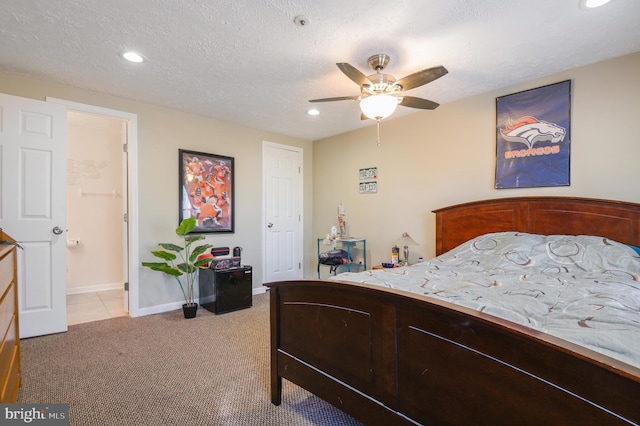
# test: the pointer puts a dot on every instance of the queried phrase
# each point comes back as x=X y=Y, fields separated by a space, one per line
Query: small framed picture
x=207 y=190
x=368 y=173
x=368 y=187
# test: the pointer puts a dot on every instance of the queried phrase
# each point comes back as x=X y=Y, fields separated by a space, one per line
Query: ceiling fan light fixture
x=590 y=4
x=132 y=56
x=378 y=106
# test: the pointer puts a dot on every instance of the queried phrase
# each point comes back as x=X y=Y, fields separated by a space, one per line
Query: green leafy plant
x=187 y=257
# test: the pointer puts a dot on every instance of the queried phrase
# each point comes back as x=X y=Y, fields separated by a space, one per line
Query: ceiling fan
x=381 y=93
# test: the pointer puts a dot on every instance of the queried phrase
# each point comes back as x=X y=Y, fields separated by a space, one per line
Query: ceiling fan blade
x=339 y=98
x=421 y=77
x=354 y=74
x=413 y=102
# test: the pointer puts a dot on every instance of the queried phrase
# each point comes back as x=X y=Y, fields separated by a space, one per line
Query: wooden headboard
x=616 y=220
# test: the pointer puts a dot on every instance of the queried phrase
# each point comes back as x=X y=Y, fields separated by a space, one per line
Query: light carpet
x=166 y=370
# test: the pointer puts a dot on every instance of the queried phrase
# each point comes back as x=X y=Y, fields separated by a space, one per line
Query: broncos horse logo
x=529 y=130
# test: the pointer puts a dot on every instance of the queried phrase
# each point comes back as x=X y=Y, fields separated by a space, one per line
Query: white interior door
x=125 y=214
x=282 y=192
x=33 y=137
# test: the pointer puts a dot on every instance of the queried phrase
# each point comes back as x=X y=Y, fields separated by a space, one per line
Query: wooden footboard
x=386 y=357
x=336 y=343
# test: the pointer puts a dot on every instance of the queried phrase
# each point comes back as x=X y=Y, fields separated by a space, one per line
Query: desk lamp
x=406 y=241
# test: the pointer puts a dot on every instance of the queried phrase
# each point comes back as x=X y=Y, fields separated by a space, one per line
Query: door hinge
x=126 y=286
x=126 y=217
x=125 y=147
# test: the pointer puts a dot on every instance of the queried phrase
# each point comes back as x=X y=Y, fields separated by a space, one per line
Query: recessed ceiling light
x=133 y=57
x=590 y=4
x=313 y=112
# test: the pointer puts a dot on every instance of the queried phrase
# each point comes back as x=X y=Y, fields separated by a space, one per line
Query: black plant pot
x=189 y=311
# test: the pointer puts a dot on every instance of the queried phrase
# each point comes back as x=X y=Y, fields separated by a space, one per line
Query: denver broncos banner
x=533 y=137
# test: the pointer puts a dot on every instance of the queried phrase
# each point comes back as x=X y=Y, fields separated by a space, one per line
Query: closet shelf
x=112 y=193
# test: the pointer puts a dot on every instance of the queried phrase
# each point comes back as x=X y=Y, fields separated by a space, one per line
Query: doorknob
x=57 y=230
x=269 y=225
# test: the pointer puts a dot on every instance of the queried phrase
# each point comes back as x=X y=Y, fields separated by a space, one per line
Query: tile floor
x=87 y=307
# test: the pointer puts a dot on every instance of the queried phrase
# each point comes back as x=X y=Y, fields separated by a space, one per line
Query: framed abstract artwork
x=207 y=190
x=533 y=135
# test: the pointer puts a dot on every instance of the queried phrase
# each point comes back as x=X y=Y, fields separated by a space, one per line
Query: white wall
x=432 y=159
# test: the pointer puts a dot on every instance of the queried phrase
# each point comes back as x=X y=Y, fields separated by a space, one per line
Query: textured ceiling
x=248 y=63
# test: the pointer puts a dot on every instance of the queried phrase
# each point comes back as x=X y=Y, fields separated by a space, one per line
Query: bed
x=386 y=356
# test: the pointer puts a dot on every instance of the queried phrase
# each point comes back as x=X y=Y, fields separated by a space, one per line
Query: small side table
x=348 y=244
x=379 y=266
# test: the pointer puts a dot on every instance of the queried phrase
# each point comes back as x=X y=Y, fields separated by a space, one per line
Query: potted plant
x=188 y=265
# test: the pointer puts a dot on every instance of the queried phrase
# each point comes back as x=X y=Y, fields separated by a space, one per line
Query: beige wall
x=427 y=160
x=161 y=132
x=433 y=159
x=94 y=203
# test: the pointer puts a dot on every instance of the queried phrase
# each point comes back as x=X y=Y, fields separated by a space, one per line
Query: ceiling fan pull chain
x=378 y=121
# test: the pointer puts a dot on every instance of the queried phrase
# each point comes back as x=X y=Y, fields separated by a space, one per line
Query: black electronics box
x=225 y=290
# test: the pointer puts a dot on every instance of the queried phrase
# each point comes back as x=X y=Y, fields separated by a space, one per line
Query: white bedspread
x=583 y=289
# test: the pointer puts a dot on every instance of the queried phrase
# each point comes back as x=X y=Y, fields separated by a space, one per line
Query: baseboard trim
x=94 y=288
x=259 y=290
x=168 y=307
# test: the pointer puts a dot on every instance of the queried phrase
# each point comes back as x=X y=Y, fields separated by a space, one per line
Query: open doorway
x=96 y=227
x=127 y=151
